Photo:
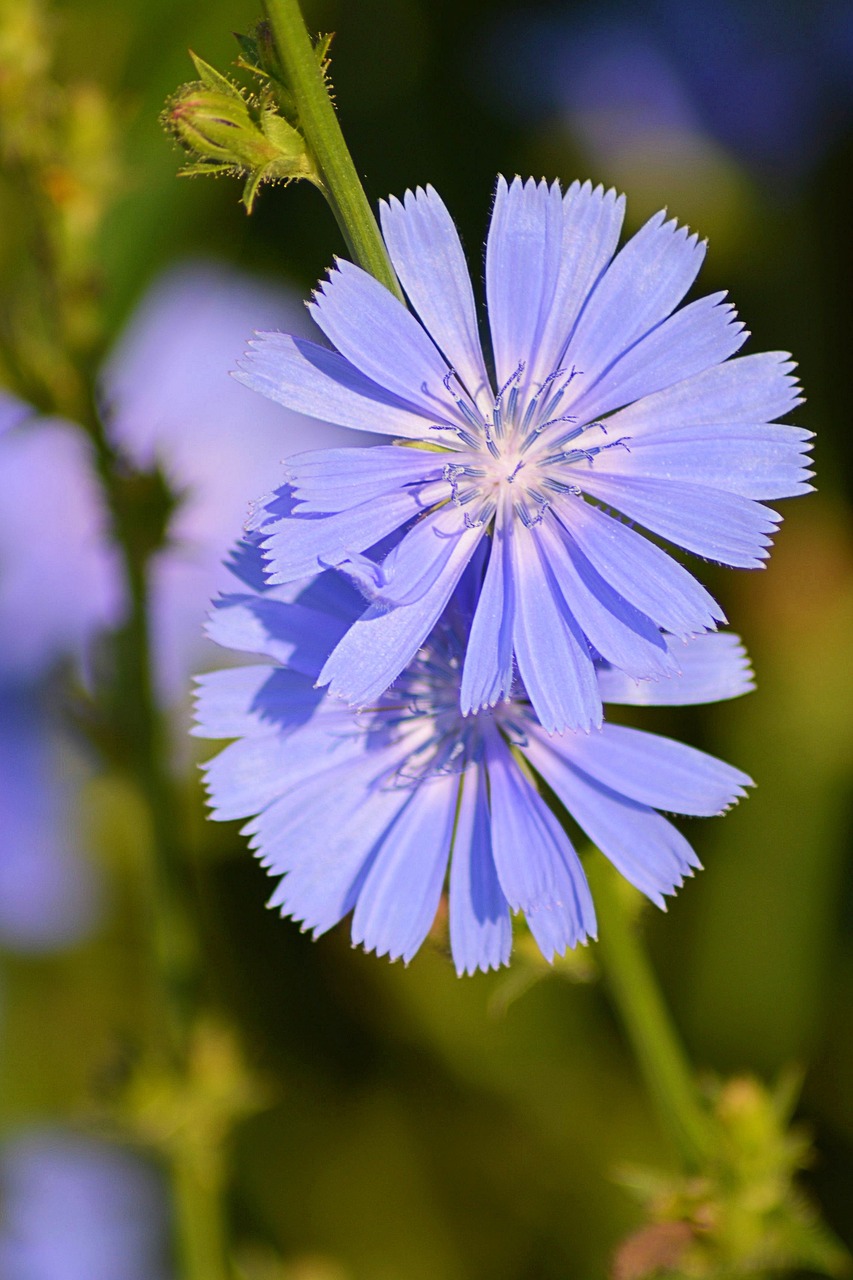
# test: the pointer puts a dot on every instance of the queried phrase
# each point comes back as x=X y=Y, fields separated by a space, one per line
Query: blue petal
x=480 y=928
x=538 y=869
x=700 y=335
x=416 y=563
x=253 y=773
x=428 y=258
x=552 y=653
x=324 y=835
x=754 y=461
x=522 y=268
x=298 y=545
x=750 y=389
x=654 y=771
x=321 y=384
x=294 y=634
x=330 y=480
x=645 y=282
x=645 y=848
x=328 y=593
x=618 y=631
x=645 y=575
x=251 y=701
x=400 y=895
x=246 y=561
x=709 y=522
x=713 y=667
x=382 y=339
x=383 y=641
x=592 y=220
x=488 y=671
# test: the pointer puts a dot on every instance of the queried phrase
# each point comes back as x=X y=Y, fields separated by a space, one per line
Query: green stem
x=647 y=1022
x=198 y=1201
x=322 y=132
x=61 y=379
x=173 y=933
x=196 y=1172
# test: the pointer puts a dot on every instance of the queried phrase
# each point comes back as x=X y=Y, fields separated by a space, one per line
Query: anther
x=513 y=377
x=464 y=436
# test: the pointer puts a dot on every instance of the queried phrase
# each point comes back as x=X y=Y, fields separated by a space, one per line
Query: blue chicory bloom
x=604 y=398
x=362 y=810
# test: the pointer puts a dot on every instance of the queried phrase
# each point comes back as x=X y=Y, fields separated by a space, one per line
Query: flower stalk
x=322 y=132
x=638 y=1001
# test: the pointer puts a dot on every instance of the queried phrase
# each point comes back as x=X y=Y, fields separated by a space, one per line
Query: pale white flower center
x=522 y=456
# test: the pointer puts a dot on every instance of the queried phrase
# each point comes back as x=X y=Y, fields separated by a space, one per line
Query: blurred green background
x=421 y=1126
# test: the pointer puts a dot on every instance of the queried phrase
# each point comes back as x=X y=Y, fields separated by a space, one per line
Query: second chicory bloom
x=362 y=810
x=604 y=397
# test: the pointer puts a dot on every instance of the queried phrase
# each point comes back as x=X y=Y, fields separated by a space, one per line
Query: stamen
x=559 y=393
x=464 y=408
x=576 y=455
x=524 y=515
x=560 y=486
x=469 y=413
x=490 y=444
x=464 y=436
x=486 y=512
x=513 y=377
x=497 y=414
x=453 y=472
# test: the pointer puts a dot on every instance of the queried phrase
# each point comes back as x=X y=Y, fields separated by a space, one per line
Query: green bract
x=227 y=130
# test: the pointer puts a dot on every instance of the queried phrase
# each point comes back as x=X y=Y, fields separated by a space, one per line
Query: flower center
x=422 y=709
x=521 y=456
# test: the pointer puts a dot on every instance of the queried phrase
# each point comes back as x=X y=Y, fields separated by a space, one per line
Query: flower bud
x=225 y=131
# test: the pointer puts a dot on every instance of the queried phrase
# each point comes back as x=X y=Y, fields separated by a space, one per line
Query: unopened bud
x=224 y=131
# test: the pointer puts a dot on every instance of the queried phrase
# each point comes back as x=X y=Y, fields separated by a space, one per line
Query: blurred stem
x=52 y=348
x=198 y=1198
x=321 y=130
x=196 y=1175
x=638 y=1000
x=174 y=943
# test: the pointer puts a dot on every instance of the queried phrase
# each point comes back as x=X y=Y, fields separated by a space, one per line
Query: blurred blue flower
x=361 y=810
x=606 y=398
x=59 y=587
x=50 y=893
x=168 y=398
x=75 y=1208
x=57 y=568
x=769 y=82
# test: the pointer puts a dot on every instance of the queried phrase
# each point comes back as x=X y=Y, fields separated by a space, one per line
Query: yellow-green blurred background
x=420 y=1126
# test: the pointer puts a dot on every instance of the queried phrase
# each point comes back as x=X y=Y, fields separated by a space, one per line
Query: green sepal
x=225 y=129
x=744 y=1214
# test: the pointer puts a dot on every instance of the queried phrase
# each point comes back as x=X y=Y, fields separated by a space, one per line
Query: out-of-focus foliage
x=401 y=1122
